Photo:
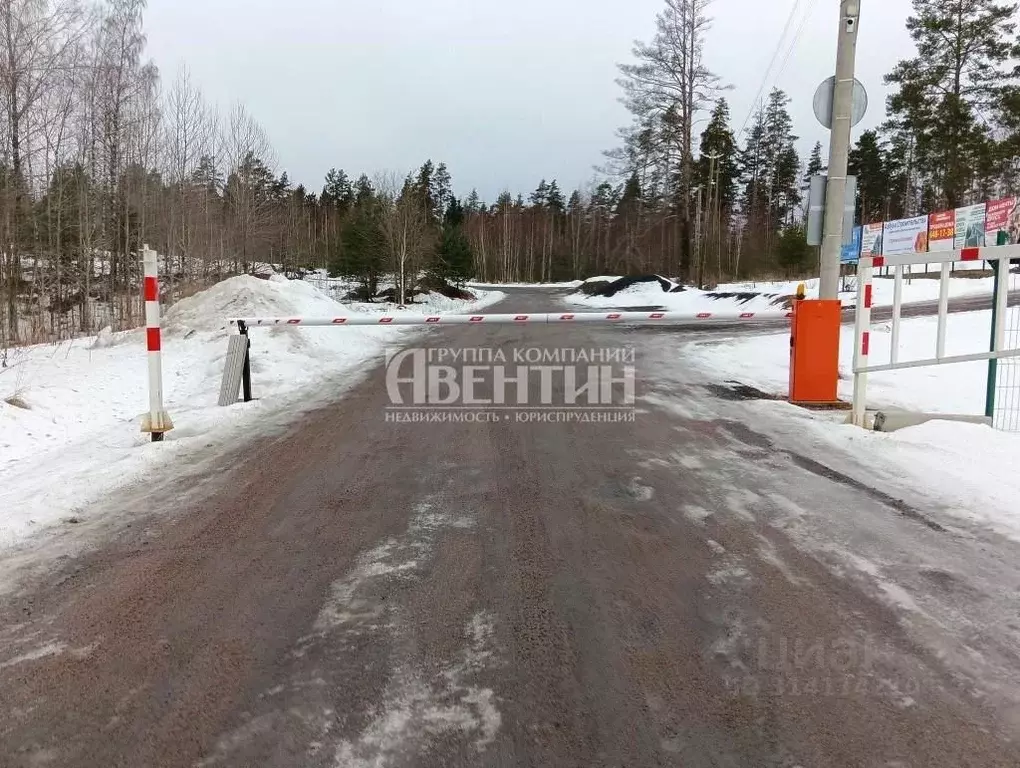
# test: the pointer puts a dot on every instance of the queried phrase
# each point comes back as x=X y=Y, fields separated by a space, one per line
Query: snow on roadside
x=569 y=284
x=69 y=412
x=915 y=289
x=691 y=300
x=968 y=469
x=763 y=361
x=771 y=296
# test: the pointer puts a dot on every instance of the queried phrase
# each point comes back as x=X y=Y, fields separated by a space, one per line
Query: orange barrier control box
x=814 y=351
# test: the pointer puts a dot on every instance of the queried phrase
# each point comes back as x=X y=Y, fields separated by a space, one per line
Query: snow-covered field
x=770 y=295
x=969 y=469
x=69 y=412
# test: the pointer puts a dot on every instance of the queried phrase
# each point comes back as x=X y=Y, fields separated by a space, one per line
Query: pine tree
x=338 y=191
x=771 y=165
x=606 y=197
x=717 y=139
x=364 y=245
x=785 y=165
x=630 y=199
x=815 y=166
x=363 y=189
x=867 y=162
x=754 y=168
x=540 y=195
x=664 y=90
x=441 y=192
x=771 y=180
x=455 y=260
x=945 y=94
x=793 y=252
x=554 y=198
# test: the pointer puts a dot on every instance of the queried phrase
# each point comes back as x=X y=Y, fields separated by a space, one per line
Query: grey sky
x=504 y=93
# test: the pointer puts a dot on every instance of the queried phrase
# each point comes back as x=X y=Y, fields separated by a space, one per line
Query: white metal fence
x=1001 y=345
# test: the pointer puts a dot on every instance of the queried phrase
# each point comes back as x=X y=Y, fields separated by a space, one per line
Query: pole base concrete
x=892 y=421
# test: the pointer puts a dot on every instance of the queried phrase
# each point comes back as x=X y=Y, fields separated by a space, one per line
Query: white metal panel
x=233 y=368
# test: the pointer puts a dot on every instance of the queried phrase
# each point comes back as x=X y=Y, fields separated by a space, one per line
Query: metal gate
x=1000 y=346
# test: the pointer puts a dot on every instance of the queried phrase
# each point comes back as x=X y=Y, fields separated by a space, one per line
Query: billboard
x=851 y=253
x=1002 y=222
x=970 y=227
x=871 y=240
x=941 y=231
x=905 y=236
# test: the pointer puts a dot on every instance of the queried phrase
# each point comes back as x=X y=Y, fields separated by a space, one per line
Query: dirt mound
x=739 y=297
x=610 y=289
x=435 y=284
x=592 y=287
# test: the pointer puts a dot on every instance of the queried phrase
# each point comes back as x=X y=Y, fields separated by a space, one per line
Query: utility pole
x=717 y=216
x=697 y=234
x=839 y=147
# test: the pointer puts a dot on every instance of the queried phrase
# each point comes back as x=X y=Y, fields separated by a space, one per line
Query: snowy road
x=706 y=586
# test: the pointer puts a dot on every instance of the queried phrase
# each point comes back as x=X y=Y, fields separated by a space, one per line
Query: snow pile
x=247 y=296
x=691 y=301
x=70 y=412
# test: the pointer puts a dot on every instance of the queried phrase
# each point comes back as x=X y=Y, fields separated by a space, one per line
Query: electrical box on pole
x=816 y=209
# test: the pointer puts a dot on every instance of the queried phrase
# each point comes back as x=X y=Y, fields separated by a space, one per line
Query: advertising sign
x=852 y=250
x=871 y=240
x=905 y=236
x=941 y=231
x=970 y=227
x=1002 y=222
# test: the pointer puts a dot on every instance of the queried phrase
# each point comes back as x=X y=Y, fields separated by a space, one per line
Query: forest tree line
x=100 y=155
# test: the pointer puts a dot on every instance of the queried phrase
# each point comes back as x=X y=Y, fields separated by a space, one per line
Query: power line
x=772 y=61
x=796 y=38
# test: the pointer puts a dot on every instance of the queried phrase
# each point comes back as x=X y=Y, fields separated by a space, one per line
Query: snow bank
x=914 y=289
x=964 y=470
x=968 y=469
x=763 y=361
x=764 y=296
x=69 y=412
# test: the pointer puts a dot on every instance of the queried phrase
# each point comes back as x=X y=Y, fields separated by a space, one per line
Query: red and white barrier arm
x=520 y=319
x=156 y=422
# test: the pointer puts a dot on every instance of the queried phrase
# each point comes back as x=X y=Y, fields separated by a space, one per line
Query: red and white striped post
x=157 y=421
x=862 y=335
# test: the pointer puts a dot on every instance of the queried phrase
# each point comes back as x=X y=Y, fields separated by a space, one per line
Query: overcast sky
x=504 y=93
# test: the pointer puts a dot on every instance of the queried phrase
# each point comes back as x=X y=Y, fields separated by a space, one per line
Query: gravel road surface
x=693 y=584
